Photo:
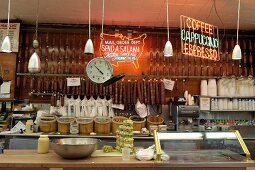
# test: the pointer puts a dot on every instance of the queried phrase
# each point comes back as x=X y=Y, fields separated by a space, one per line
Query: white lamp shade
x=6 y=45
x=34 y=64
x=237 y=55
x=168 y=50
x=89 y=48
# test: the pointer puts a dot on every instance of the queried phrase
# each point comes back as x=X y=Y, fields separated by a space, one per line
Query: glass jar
x=43 y=144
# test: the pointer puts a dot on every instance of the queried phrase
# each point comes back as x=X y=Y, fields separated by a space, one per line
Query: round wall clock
x=99 y=70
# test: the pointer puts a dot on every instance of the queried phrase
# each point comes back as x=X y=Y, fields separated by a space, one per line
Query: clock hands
x=98 y=69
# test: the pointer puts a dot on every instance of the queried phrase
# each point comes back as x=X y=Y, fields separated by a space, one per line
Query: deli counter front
x=202 y=149
x=192 y=150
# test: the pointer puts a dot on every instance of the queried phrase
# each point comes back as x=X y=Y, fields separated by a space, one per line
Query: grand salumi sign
x=199 y=39
x=118 y=48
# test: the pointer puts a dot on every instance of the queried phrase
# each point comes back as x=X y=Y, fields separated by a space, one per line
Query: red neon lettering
x=202 y=25
x=190 y=49
x=188 y=22
x=210 y=29
x=194 y=25
x=186 y=48
x=194 y=50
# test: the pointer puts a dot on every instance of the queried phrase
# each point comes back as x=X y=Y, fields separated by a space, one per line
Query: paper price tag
x=118 y=106
x=169 y=84
x=6 y=87
x=204 y=103
x=73 y=81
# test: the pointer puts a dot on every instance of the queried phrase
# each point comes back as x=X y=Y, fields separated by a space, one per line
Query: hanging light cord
x=8 y=21
x=167 y=20
x=37 y=18
x=238 y=18
x=217 y=14
x=89 y=17
x=102 y=33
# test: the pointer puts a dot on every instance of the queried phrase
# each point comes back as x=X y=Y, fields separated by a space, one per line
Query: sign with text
x=73 y=81
x=14 y=30
x=118 y=48
x=199 y=39
x=169 y=84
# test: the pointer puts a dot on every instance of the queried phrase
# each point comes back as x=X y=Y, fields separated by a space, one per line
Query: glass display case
x=202 y=147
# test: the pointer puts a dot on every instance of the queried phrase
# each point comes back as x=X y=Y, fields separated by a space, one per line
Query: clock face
x=99 y=70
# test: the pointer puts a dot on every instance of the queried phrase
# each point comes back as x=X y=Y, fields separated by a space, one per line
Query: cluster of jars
x=233 y=104
x=228 y=87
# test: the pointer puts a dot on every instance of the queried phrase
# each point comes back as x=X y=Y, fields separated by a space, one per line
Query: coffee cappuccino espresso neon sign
x=199 y=39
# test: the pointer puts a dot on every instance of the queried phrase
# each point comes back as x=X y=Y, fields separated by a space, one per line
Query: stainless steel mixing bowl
x=74 y=148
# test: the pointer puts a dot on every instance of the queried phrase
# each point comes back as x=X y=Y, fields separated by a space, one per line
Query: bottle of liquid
x=43 y=144
x=29 y=126
x=74 y=127
x=213 y=104
x=3 y=109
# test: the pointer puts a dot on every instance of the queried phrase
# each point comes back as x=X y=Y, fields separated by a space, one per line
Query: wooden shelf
x=230 y=97
x=127 y=75
x=50 y=75
x=232 y=110
x=7 y=100
x=142 y=76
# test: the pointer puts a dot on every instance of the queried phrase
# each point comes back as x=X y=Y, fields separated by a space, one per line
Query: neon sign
x=199 y=39
x=118 y=48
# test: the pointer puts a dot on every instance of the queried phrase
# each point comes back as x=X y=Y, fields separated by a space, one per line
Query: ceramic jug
x=203 y=88
x=232 y=87
x=220 y=87
x=250 y=86
x=212 y=87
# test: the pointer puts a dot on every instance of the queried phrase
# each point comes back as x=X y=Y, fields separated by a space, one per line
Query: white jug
x=243 y=87
x=235 y=104
x=212 y=88
x=227 y=84
x=225 y=104
x=232 y=87
x=238 y=87
x=246 y=87
x=230 y=105
x=203 y=88
x=220 y=104
x=220 y=87
x=253 y=90
x=250 y=86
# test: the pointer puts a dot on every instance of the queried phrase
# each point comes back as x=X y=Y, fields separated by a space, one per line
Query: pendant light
x=34 y=64
x=237 y=55
x=6 y=45
x=89 y=48
x=168 y=50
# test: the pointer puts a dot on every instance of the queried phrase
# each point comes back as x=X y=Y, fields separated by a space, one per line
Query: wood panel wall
x=8 y=71
x=62 y=53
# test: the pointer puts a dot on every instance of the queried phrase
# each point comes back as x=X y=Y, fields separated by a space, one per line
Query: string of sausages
x=125 y=92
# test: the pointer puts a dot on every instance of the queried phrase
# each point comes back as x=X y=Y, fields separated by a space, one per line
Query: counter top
x=30 y=158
